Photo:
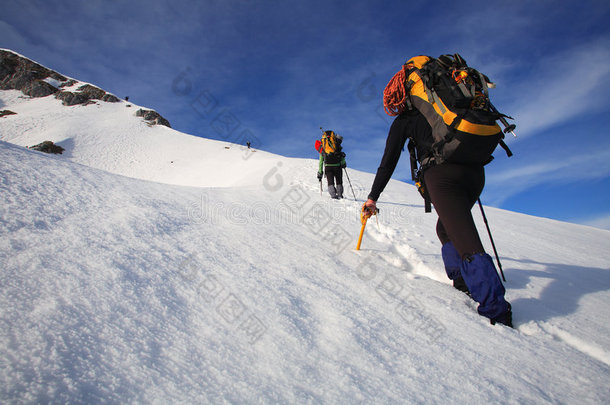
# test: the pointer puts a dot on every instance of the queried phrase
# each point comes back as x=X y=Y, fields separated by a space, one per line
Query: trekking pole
x=492 y=239
x=507 y=127
x=321 y=129
x=350 y=184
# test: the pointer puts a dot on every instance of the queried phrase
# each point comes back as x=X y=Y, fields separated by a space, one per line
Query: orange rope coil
x=395 y=94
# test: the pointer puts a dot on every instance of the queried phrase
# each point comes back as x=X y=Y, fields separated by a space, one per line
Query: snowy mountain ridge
x=147 y=265
x=120 y=141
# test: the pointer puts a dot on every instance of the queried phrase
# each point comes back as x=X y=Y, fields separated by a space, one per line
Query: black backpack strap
x=417 y=175
x=413 y=158
x=505 y=147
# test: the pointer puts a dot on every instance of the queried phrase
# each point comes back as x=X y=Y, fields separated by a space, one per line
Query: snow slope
x=226 y=277
x=110 y=137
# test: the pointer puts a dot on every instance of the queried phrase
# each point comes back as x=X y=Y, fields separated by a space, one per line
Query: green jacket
x=323 y=164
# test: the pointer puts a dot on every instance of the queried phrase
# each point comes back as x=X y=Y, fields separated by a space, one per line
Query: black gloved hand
x=343 y=165
x=319 y=176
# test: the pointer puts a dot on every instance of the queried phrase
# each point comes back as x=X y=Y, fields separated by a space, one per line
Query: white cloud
x=586 y=166
x=601 y=221
x=562 y=87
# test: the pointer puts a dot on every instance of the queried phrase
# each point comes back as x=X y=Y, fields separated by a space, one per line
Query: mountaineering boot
x=485 y=287
x=339 y=190
x=332 y=191
x=453 y=262
x=460 y=284
x=505 y=319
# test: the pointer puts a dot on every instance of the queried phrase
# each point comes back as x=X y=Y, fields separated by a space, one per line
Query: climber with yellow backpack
x=442 y=108
x=331 y=162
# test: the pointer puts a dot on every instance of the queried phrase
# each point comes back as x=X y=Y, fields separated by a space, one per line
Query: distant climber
x=332 y=160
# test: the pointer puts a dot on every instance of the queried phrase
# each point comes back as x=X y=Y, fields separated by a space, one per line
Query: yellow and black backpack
x=454 y=99
x=330 y=143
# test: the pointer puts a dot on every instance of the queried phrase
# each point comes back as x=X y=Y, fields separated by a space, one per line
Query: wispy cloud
x=600 y=221
x=504 y=184
x=561 y=87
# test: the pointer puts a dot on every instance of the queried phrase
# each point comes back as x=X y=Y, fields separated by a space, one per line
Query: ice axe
x=365 y=214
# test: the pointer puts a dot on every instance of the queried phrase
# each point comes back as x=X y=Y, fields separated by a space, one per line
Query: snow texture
x=146 y=265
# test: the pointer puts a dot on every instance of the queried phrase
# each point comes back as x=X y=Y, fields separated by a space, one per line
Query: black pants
x=334 y=175
x=454 y=189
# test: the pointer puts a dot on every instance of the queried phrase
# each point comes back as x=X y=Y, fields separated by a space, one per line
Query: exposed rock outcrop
x=69 y=98
x=152 y=117
x=38 y=88
x=19 y=73
x=7 y=112
x=48 y=147
x=84 y=95
x=35 y=80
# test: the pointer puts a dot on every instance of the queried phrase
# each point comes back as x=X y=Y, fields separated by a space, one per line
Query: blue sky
x=274 y=72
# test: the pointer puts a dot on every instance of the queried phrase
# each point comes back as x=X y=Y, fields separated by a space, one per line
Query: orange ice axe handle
x=364 y=219
x=364 y=216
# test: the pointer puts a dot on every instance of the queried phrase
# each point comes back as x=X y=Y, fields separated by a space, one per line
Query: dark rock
x=69 y=83
x=6 y=112
x=7 y=67
x=48 y=147
x=91 y=92
x=20 y=73
x=152 y=117
x=17 y=72
x=39 y=88
x=110 y=98
x=58 y=77
x=69 y=98
x=84 y=94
